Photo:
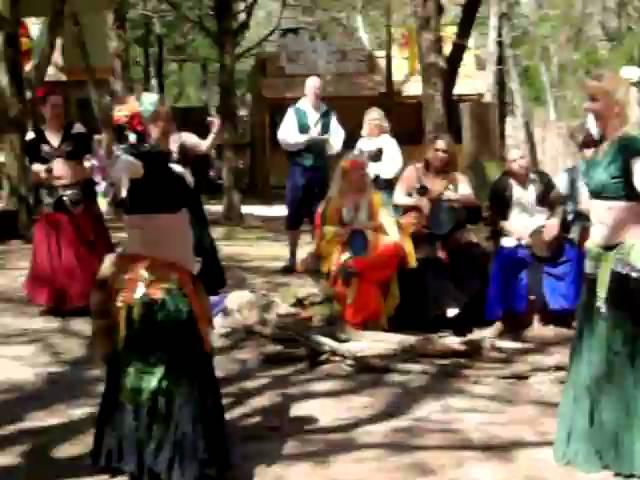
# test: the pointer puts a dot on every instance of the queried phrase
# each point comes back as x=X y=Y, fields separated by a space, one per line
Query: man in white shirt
x=310 y=133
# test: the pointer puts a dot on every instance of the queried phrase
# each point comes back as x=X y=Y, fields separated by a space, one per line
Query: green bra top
x=608 y=174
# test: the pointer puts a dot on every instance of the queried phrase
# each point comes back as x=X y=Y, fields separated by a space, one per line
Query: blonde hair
x=620 y=91
x=374 y=115
x=336 y=188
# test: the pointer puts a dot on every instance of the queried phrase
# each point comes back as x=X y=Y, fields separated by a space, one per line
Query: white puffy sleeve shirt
x=291 y=139
x=391 y=164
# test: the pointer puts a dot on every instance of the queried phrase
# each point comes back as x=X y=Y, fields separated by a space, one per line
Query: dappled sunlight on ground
x=286 y=421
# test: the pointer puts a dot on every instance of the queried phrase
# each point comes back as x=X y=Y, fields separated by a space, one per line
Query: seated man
x=570 y=183
x=535 y=268
x=359 y=246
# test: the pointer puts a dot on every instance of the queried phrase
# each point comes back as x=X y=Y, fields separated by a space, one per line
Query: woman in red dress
x=70 y=238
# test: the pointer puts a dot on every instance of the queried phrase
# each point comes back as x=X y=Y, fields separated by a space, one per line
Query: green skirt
x=161 y=415
x=599 y=414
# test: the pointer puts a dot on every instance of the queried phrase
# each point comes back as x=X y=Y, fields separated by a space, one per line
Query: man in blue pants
x=310 y=133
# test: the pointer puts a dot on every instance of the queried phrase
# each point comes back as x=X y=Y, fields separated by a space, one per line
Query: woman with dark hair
x=161 y=415
x=599 y=417
x=158 y=128
x=446 y=290
x=70 y=238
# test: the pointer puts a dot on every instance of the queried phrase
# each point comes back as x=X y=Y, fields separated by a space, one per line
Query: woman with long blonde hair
x=360 y=246
x=599 y=415
x=382 y=150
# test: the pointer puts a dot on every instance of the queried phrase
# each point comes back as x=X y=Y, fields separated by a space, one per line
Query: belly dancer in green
x=599 y=414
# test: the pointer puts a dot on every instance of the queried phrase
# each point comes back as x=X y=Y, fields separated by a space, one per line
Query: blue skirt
x=510 y=282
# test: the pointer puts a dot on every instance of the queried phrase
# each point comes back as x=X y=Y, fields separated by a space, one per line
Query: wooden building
x=354 y=80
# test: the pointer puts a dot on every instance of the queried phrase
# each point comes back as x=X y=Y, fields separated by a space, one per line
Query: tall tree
x=495 y=9
x=146 y=46
x=454 y=60
x=13 y=117
x=225 y=23
x=427 y=14
x=519 y=102
x=121 y=56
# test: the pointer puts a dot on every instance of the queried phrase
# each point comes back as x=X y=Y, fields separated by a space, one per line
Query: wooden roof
x=277 y=85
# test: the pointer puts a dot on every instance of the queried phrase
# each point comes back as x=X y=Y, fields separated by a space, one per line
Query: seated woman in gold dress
x=360 y=246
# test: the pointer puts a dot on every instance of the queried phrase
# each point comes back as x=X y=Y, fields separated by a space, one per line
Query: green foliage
x=572 y=39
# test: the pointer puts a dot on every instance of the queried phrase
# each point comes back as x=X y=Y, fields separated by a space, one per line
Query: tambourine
x=374 y=156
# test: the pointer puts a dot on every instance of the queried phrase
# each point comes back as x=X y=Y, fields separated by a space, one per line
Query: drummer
x=448 y=287
x=535 y=270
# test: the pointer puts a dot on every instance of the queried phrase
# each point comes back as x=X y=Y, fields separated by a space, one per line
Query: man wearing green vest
x=310 y=133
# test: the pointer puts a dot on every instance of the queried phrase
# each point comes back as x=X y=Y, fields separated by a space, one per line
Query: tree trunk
x=548 y=91
x=520 y=107
x=146 y=52
x=361 y=26
x=122 y=59
x=160 y=61
x=493 y=51
x=388 y=68
x=227 y=107
x=204 y=84
x=454 y=60
x=100 y=100
x=501 y=87
x=11 y=79
x=427 y=13
x=55 y=26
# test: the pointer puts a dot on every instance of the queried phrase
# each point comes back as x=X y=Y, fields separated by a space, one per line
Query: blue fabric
x=306 y=188
x=358 y=243
x=509 y=284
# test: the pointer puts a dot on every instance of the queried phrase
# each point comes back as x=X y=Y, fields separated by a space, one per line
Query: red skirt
x=67 y=251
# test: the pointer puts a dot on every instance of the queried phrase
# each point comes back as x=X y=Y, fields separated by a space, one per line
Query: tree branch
x=246 y=8
x=204 y=28
x=244 y=25
x=251 y=48
x=54 y=28
x=4 y=23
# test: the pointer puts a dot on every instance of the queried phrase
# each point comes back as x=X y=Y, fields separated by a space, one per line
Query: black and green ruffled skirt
x=161 y=414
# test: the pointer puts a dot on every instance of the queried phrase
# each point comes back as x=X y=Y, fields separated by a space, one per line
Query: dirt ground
x=286 y=421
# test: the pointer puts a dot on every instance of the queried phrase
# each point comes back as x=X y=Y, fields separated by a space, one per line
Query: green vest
x=314 y=154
